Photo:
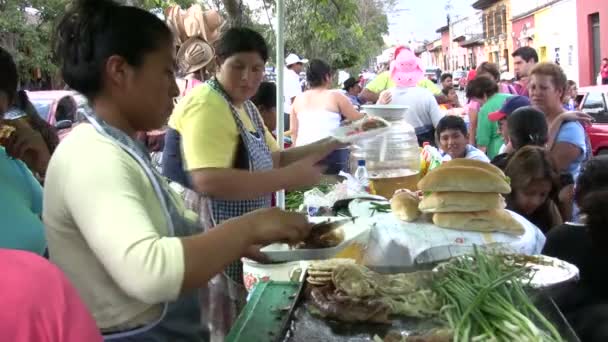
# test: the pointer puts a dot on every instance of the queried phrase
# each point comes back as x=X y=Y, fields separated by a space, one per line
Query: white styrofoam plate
x=353 y=233
x=350 y=133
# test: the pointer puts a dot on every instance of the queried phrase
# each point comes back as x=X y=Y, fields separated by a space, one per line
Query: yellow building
x=543 y=34
x=497 y=29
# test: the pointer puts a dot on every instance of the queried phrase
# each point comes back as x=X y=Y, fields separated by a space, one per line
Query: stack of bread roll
x=466 y=194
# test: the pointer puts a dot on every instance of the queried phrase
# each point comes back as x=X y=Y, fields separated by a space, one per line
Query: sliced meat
x=346 y=309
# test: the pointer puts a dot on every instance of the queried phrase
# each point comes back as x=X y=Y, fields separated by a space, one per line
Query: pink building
x=592 y=21
x=523 y=31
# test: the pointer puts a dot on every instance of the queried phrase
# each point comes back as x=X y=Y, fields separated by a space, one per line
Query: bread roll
x=474 y=163
x=482 y=221
x=405 y=206
x=447 y=202
x=463 y=179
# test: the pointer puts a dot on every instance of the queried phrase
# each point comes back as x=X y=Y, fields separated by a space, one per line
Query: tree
x=345 y=33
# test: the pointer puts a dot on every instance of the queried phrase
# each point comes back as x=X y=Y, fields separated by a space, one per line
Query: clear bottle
x=362 y=175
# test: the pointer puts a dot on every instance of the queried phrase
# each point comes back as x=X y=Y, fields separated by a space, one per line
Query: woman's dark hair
x=317 y=72
x=527 y=126
x=91 y=31
x=266 y=97
x=481 y=86
x=593 y=175
x=528 y=165
x=591 y=194
x=489 y=69
x=10 y=78
x=240 y=39
x=451 y=122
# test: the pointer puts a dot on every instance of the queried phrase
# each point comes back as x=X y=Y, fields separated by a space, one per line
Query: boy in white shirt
x=452 y=139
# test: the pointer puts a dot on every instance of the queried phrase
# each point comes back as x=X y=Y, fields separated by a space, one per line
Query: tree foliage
x=345 y=33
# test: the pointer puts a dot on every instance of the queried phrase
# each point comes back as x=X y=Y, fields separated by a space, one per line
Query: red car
x=594 y=101
x=60 y=108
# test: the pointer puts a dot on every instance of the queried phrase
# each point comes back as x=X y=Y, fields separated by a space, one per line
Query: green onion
x=484 y=300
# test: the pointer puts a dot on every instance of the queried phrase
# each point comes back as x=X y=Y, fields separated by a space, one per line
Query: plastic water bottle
x=362 y=175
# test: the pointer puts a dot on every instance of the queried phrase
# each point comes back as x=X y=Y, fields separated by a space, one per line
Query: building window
x=503 y=13
x=491 y=25
x=484 y=22
x=570 y=53
x=498 y=23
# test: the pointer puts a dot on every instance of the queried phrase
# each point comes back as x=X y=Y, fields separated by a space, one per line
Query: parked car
x=60 y=108
x=594 y=101
x=431 y=73
x=457 y=76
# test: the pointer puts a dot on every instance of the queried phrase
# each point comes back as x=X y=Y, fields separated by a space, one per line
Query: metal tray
x=301 y=326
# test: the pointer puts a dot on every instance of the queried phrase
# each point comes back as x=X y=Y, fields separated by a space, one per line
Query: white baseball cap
x=294 y=59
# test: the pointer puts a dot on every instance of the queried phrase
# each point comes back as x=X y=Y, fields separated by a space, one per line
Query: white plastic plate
x=353 y=233
x=351 y=133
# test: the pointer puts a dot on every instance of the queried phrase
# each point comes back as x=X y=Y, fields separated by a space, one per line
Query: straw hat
x=175 y=20
x=213 y=25
x=206 y=25
x=194 y=54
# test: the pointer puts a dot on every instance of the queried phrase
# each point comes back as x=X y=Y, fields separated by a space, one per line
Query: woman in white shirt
x=115 y=227
x=320 y=110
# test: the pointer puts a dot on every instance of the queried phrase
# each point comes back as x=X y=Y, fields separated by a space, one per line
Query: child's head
x=451 y=95
x=265 y=100
x=533 y=179
x=452 y=136
x=527 y=126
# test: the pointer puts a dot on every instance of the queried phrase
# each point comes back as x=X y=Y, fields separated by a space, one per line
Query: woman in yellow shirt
x=114 y=225
x=232 y=161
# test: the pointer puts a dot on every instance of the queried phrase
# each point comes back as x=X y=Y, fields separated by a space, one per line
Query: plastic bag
x=430 y=158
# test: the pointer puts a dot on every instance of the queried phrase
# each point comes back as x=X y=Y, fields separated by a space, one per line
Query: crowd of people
x=131 y=256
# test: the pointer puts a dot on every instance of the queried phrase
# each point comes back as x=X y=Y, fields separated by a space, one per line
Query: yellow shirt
x=383 y=82
x=210 y=135
x=107 y=232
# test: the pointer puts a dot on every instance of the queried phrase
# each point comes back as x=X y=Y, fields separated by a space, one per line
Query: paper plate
x=354 y=233
x=352 y=132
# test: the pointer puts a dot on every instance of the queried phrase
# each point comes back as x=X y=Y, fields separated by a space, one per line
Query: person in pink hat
x=423 y=113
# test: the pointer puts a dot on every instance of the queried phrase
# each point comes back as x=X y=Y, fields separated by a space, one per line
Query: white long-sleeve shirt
x=107 y=232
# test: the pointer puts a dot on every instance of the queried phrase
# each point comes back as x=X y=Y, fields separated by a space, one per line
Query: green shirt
x=383 y=82
x=487 y=131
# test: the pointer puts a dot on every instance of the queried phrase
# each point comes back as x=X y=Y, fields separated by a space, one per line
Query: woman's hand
x=273 y=225
x=385 y=97
x=29 y=146
x=575 y=116
x=306 y=171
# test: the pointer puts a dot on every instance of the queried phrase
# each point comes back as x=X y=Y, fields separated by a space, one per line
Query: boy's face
x=453 y=142
x=447 y=83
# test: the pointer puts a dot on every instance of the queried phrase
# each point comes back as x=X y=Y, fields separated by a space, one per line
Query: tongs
x=327 y=226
